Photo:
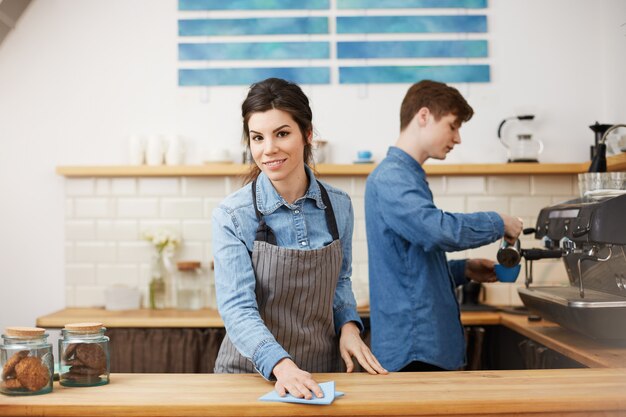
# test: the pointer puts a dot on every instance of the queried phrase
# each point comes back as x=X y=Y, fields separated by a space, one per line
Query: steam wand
x=590 y=255
x=529 y=272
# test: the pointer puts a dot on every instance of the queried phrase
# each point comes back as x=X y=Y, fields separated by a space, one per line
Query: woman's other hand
x=351 y=344
x=293 y=380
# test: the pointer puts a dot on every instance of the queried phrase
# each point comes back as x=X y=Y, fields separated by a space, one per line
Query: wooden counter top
x=144 y=318
x=571 y=344
x=186 y=318
x=504 y=393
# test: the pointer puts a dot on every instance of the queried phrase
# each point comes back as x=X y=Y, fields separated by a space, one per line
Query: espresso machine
x=590 y=234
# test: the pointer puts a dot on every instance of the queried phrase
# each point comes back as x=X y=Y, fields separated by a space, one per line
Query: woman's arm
x=235 y=285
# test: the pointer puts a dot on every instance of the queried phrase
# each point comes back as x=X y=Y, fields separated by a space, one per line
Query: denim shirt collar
x=268 y=200
x=405 y=159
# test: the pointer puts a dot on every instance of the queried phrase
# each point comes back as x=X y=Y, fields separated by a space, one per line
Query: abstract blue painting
x=253 y=4
x=247 y=76
x=411 y=4
x=412 y=74
x=306 y=41
x=412 y=24
x=253 y=26
x=411 y=49
x=240 y=51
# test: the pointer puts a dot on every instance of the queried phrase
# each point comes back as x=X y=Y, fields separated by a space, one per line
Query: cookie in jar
x=84 y=355
x=26 y=361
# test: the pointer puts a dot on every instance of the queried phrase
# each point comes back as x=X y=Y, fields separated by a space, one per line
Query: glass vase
x=159 y=280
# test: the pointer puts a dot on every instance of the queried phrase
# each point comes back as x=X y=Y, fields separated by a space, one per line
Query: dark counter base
x=176 y=350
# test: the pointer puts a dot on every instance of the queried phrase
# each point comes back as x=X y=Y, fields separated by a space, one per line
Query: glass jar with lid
x=190 y=284
x=26 y=361
x=84 y=355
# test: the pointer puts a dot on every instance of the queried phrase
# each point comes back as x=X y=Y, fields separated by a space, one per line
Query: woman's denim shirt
x=301 y=225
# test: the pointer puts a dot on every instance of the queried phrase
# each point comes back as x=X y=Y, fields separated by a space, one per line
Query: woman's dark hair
x=439 y=98
x=276 y=93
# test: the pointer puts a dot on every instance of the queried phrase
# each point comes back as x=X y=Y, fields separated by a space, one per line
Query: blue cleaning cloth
x=328 y=388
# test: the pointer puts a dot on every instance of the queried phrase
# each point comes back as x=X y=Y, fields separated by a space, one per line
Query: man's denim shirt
x=413 y=310
x=301 y=225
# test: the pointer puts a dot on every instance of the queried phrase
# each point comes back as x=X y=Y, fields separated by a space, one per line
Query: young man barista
x=415 y=316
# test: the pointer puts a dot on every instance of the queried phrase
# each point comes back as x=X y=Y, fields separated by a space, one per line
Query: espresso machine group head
x=511 y=255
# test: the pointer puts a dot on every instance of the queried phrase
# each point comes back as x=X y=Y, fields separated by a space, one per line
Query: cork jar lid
x=25 y=331
x=84 y=327
x=187 y=265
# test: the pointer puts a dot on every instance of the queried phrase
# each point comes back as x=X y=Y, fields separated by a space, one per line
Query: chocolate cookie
x=81 y=379
x=9 y=367
x=11 y=384
x=69 y=351
x=85 y=370
x=92 y=355
x=74 y=362
x=32 y=374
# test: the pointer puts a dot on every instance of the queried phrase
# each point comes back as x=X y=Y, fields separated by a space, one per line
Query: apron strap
x=331 y=222
x=263 y=233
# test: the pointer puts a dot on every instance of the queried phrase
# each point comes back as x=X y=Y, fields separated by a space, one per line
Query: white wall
x=78 y=76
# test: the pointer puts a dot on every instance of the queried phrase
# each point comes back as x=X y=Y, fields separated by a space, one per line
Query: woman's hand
x=293 y=380
x=351 y=344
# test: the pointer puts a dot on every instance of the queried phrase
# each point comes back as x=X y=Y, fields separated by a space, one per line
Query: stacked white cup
x=155 y=150
x=175 y=151
x=136 y=150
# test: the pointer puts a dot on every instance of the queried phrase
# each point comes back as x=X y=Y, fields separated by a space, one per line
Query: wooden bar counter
x=564 y=392
x=146 y=318
x=571 y=344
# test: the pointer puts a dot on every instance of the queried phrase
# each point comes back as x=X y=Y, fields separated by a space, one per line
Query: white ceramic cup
x=175 y=151
x=218 y=155
x=155 y=150
x=136 y=150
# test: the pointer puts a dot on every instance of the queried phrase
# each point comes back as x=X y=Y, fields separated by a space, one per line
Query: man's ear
x=309 y=138
x=422 y=116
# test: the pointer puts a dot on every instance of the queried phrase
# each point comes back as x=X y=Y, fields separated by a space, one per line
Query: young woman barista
x=282 y=247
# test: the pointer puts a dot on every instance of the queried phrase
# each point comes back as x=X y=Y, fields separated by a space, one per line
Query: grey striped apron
x=294 y=291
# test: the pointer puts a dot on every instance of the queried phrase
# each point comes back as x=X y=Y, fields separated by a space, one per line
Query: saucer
x=363 y=161
x=604 y=193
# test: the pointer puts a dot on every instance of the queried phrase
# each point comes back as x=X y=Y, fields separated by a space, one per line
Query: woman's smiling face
x=276 y=144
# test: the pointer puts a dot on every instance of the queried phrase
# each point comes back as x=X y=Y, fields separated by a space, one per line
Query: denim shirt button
x=297 y=211
x=303 y=243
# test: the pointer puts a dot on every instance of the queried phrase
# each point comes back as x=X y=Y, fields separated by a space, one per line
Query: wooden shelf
x=505 y=169
x=614 y=163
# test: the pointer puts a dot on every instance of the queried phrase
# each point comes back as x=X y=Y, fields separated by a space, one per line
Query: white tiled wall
x=105 y=219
